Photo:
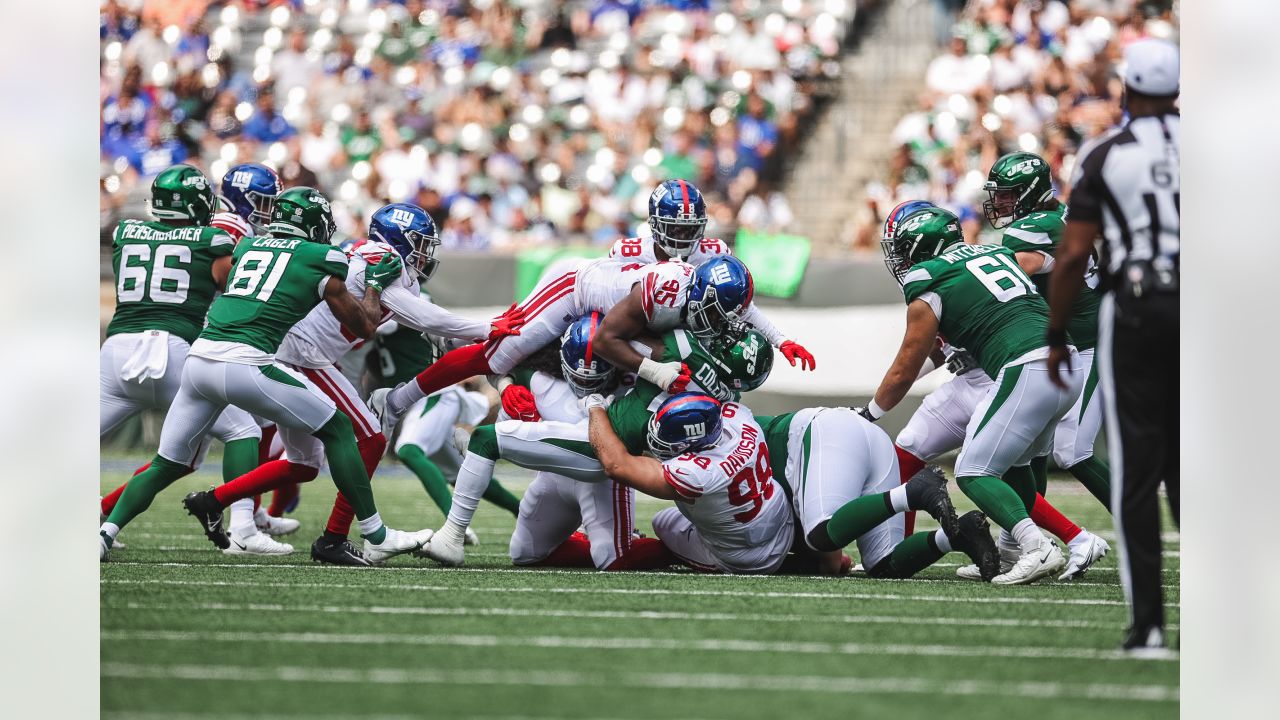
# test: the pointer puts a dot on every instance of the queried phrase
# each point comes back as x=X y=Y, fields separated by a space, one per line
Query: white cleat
x=102 y=517
x=397 y=542
x=103 y=547
x=256 y=544
x=1009 y=554
x=1085 y=550
x=1046 y=559
x=382 y=408
x=274 y=526
x=471 y=538
x=445 y=546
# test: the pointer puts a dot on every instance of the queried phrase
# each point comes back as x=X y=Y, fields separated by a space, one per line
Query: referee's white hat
x=1151 y=67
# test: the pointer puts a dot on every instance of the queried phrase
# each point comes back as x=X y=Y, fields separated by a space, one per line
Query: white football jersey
x=555 y=399
x=234 y=225
x=603 y=283
x=644 y=250
x=729 y=495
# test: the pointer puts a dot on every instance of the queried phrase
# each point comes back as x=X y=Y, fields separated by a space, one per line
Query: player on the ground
x=841 y=474
x=712 y=460
x=938 y=427
x=167 y=272
x=979 y=299
x=554 y=506
x=425 y=440
x=678 y=219
x=564 y=448
x=274 y=282
x=635 y=298
x=314 y=345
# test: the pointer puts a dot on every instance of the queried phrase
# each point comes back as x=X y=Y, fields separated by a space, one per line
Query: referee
x=1126 y=190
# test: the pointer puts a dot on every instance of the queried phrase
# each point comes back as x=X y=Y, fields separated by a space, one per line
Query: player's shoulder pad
x=683 y=477
x=370 y=251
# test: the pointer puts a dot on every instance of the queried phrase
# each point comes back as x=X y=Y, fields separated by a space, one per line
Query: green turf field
x=188 y=632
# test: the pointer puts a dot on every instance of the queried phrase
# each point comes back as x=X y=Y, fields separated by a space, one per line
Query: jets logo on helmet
x=1024 y=166
x=182 y=193
x=302 y=212
x=922 y=236
x=411 y=231
x=1017 y=184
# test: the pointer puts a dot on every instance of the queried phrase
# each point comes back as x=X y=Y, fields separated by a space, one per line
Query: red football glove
x=518 y=402
x=792 y=350
x=682 y=380
x=508 y=323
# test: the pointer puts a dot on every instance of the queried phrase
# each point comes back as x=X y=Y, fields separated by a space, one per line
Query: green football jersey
x=164 y=276
x=1042 y=232
x=984 y=301
x=274 y=283
x=399 y=355
x=777 y=432
x=629 y=414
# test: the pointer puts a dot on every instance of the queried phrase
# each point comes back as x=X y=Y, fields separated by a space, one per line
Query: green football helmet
x=302 y=212
x=922 y=235
x=1017 y=184
x=182 y=192
x=750 y=361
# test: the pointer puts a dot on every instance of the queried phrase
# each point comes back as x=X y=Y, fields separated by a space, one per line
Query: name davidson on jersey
x=741 y=455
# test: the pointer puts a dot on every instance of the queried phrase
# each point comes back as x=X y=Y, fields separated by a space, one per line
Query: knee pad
x=819 y=540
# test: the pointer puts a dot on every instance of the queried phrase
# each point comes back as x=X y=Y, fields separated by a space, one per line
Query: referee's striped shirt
x=1127 y=181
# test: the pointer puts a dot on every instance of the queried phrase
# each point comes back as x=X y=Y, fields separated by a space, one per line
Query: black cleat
x=927 y=491
x=974 y=539
x=337 y=552
x=208 y=511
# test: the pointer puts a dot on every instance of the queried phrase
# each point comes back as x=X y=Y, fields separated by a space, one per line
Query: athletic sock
x=372 y=529
x=1027 y=534
x=473 y=479
x=1048 y=517
x=109 y=502
x=340 y=518
x=898 y=499
x=241 y=523
x=994 y=497
x=343 y=514
x=502 y=497
x=282 y=498
x=264 y=445
x=239 y=457
x=1023 y=481
x=1095 y=475
x=908 y=466
x=574 y=552
x=142 y=489
x=910 y=557
x=111 y=530
x=346 y=465
x=454 y=367
x=941 y=541
x=851 y=520
x=429 y=474
x=1040 y=473
x=264 y=478
x=645 y=554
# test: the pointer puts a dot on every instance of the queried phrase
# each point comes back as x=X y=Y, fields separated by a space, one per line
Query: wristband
x=875 y=410
x=1056 y=338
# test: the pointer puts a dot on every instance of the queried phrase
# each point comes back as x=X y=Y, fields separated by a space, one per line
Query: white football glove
x=595 y=400
x=660 y=374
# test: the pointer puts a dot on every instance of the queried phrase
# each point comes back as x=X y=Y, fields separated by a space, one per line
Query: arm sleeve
x=421 y=314
x=756 y=317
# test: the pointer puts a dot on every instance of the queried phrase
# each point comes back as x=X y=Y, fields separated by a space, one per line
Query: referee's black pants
x=1138 y=360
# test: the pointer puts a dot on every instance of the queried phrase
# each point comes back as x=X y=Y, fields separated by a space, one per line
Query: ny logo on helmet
x=401 y=217
x=241 y=179
x=1024 y=166
x=695 y=430
x=720 y=274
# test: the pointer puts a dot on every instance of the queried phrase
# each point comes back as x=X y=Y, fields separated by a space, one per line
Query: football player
x=274 y=282
x=554 y=506
x=247 y=193
x=678 y=219
x=712 y=460
x=979 y=298
x=167 y=272
x=563 y=447
x=401 y=232
x=635 y=299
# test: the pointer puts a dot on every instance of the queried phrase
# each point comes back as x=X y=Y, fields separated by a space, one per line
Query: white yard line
x=1018 y=600
x=656 y=615
x=656 y=681
x=622 y=643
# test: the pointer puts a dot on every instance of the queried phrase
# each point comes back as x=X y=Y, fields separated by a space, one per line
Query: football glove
x=518 y=402
x=673 y=377
x=508 y=323
x=385 y=272
x=793 y=351
x=960 y=361
x=595 y=400
x=864 y=412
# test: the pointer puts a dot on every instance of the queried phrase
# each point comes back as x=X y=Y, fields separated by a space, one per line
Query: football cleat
x=1148 y=644
x=927 y=490
x=274 y=526
x=103 y=547
x=1009 y=554
x=258 y=543
x=378 y=403
x=208 y=511
x=471 y=538
x=974 y=540
x=337 y=552
x=397 y=542
x=1084 y=550
x=1044 y=560
x=102 y=517
x=445 y=546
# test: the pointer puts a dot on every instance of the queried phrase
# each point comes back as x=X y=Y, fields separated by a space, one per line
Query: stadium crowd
x=515 y=124
x=1040 y=76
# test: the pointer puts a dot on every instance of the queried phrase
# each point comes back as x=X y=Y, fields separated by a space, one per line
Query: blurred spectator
x=265 y=125
x=293 y=67
x=766 y=211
